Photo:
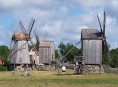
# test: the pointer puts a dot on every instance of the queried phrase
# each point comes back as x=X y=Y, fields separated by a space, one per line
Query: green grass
x=51 y=79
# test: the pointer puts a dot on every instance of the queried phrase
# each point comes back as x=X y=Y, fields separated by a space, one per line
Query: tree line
x=63 y=49
x=109 y=58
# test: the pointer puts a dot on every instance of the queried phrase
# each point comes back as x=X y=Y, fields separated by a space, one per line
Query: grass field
x=51 y=79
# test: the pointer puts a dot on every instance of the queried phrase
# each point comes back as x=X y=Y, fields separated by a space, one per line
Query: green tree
x=56 y=54
x=114 y=57
x=62 y=49
x=68 y=51
x=106 y=59
x=30 y=47
x=4 y=52
x=106 y=55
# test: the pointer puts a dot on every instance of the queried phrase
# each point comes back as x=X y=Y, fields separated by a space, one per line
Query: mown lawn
x=51 y=79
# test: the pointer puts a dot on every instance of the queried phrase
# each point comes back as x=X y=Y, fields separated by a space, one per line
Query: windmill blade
x=30 y=26
x=22 y=27
x=44 y=35
x=105 y=46
x=99 y=23
x=35 y=49
x=31 y=42
x=37 y=38
x=104 y=24
x=36 y=46
x=33 y=46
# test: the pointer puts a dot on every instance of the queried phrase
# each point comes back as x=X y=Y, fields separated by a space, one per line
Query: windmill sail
x=102 y=29
x=37 y=38
x=104 y=23
x=99 y=23
x=22 y=27
x=30 y=26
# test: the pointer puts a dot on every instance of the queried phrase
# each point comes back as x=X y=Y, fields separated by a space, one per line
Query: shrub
x=3 y=68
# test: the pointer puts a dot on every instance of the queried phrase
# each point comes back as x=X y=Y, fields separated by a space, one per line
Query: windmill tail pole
x=16 y=51
x=71 y=50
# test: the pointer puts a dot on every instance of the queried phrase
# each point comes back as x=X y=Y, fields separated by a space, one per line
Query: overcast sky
x=62 y=19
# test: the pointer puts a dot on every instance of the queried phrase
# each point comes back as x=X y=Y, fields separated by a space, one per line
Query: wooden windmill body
x=46 y=52
x=21 y=56
x=92 y=46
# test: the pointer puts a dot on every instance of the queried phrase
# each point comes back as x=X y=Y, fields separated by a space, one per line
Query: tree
x=4 y=52
x=106 y=55
x=30 y=47
x=62 y=49
x=106 y=58
x=56 y=54
x=65 y=48
x=114 y=57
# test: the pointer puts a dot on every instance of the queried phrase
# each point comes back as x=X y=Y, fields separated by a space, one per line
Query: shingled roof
x=90 y=34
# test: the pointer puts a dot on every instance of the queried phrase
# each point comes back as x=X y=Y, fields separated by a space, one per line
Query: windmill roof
x=91 y=34
x=46 y=43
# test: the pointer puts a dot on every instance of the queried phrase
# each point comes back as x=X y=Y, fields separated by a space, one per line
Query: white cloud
x=54 y=16
x=10 y=5
x=111 y=31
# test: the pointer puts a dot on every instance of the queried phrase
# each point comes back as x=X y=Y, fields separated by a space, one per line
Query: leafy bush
x=2 y=68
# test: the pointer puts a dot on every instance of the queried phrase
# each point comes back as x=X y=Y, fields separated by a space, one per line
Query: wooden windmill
x=94 y=45
x=45 y=49
x=19 y=52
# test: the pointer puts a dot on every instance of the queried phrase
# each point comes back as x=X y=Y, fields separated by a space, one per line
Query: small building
x=34 y=57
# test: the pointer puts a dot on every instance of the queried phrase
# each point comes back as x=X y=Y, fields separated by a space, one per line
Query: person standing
x=63 y=69
x=58 y=70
